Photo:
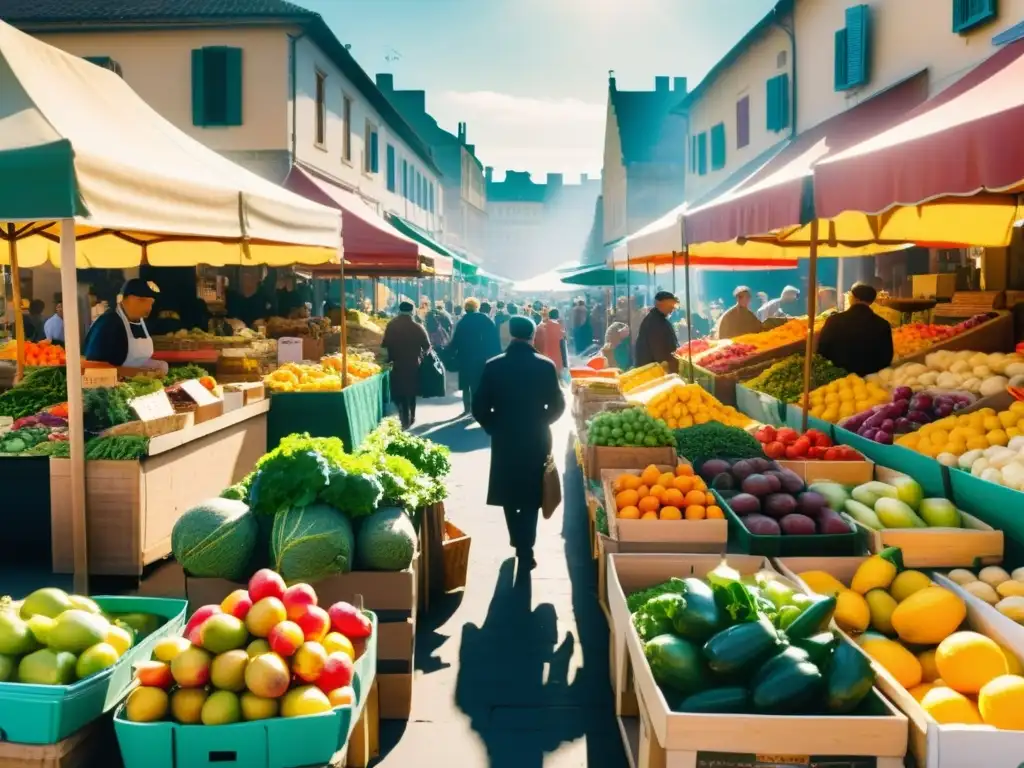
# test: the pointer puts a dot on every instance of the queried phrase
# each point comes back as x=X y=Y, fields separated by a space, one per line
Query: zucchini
x=791 y=686
x=813 y=620
x=741 y=646
x=785 y=657
x=733 y=700
x=850 y=679
x=819 y=647
x=700 y=619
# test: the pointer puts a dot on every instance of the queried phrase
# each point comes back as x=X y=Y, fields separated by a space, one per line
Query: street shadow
x=462 y=435
x=428 y=638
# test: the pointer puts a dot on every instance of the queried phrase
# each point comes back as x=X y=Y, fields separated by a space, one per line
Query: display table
x=131 y=506
x=350 y=414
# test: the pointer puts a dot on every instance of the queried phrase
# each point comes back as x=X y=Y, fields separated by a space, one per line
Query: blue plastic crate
x=45 y=714
x=996 y=505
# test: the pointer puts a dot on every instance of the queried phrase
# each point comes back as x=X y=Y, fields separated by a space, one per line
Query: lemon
x=946 y=706
x=1001 y=703
x=997 y=437
x=967 y=661
x=907 y=583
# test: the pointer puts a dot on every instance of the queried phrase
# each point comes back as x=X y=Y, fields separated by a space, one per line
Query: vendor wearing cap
x=656 y=340
x=738 y=319
x=776 y=307
x=119 y=337
x=857 y=340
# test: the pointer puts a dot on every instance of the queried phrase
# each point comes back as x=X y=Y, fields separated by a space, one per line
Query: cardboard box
x=939 y=286
x=934 y=745
x=598 y=457
x=842 y=472
x=663 y=737
x=83 y=749
x=241 y=394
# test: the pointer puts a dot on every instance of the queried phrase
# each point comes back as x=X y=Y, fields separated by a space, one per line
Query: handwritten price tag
x=94 y=378
x=152 y=406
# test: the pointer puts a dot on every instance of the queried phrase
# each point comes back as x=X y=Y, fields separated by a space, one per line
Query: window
x=970 y=14
x=106 y=63
x=852 y=49
x=778 y=103
x=702 y=153
x=321 y=109
x=423 y=192
x=417 y=188
x=405 y=179
x=217 y=86
x=693 y=154
x=392 y=181
x=346 y=136
x=371 y=151
x=743 y=122
x=718 y=147
x=430 y=197
x=782 y=59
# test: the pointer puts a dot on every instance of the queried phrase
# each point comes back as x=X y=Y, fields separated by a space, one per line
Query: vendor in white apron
x=119 y=337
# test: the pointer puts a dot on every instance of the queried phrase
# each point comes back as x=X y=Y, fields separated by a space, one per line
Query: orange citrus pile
x=657 y=495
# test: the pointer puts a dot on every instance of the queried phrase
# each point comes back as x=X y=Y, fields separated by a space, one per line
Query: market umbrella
x=113 y=184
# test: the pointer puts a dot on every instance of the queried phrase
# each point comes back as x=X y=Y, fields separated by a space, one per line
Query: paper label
x=289 y=350
x=94 y=378
x=733 y=760
x=200 y=394
x=152 y=406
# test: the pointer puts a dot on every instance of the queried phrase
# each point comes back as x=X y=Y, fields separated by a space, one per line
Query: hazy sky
x=530 y=77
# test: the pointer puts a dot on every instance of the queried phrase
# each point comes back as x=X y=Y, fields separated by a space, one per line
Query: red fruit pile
x=726 y=358
x=812 y=445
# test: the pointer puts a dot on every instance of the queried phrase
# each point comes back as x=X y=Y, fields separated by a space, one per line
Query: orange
x=629 y=513
x=670 y=513
x=629 y=482
x=673 y=497
x=650 y=516
x=695 y=512
x=666 y=480
x=643 y=490
x=626 y=499
x=699 y=484
x=658 y=492
x=683 y=483
x=684 y=470
x=695 y=498
x=650 y=475
x=709 y=499
x=649 y=504
x=715 y=513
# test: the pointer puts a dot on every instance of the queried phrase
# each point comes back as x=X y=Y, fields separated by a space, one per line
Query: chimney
x=661 y=83
x=489 y=174
x=611 y=79
x=462 y=133
x=679 y=85
x=583 y=178
x=385 y=83
x=554 y=180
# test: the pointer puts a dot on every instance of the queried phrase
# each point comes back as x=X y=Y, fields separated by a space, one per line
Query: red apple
x=315 y=622
x=285 y=638
x=237 y=604
x=155 y=674
x=350 y=621
x=266 y=583
x=337 y=672
x=202 y=614
x=297 y=598
x=308 y=662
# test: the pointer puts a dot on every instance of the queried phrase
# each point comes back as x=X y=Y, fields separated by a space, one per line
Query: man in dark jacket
x=406 y=342
x=857 y=340
x=518 y=400
x=474 y=342
x=656 y=339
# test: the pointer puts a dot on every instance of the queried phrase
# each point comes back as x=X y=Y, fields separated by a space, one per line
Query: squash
x=928 y=616
x=897 y=660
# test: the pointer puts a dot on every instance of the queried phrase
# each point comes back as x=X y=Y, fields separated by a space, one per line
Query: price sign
x=289 y=350
x=152 y=406
x=200 y=394
x=94 y=378
x=732 y=760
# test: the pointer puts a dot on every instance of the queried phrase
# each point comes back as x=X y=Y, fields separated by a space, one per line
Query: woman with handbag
x=406 y=342
x=518 y=400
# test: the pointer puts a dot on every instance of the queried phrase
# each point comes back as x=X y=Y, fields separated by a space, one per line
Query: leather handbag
x=551 y=496
x=431 y=376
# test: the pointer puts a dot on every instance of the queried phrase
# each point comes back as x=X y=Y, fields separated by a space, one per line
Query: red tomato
x=801 y=446
x=774 y=450
x=787 y=436
x=823 y=441
x=765 y=434
x=833 y=454
x=792 y=454
x=815 y=453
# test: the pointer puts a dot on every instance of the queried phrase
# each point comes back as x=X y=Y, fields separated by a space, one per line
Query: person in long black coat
x=518 y=400
x=858 y=340
x=406 y=342
x=474 y=342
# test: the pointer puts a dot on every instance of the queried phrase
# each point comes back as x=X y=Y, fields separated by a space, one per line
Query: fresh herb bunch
x=140 y=385
x=427 y=456
x=184 y=373
x=106 y=407
x=785 y=379
x=715 y=440
x=117 y=448
x=41 y=388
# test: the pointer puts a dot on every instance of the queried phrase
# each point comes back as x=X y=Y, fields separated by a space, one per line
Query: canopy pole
x=76 y=430
x=629 y=311
x=19 y=320
x=689 y=322
x=840 y=296
x=344 y=325
x=812 y=296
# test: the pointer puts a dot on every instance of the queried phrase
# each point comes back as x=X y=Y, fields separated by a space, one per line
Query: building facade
x=265 y=83
x=534 y=227
x=643 y=173
x=465 y=193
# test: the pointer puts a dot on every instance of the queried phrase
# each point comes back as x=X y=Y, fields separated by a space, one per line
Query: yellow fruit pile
x=974 y=431
x=682 y=405
x=630 y=380
x=794 y=330
x=357 y=369
x=845 y=397
x=960 y=677
x=656 y=495
x=299 y=377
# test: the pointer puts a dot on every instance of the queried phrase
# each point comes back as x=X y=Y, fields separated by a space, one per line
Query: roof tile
x=23 y=11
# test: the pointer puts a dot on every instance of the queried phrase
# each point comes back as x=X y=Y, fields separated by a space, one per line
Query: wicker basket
x=456 y=557
x=153 y=428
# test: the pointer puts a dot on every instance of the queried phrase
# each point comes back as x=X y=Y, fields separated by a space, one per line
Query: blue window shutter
x=405 y=178
x=771 y=103
x=702 y=153
x=374 y=152
x=782 y=94
x=718 y=147
x=969 y=14
x=198 y=88
x=858 y=45
x=840 y=78
x=431 y=200
x=391 y=167
x=233 y=86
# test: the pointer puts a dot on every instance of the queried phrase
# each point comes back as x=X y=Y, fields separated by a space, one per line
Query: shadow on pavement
x=461 y=435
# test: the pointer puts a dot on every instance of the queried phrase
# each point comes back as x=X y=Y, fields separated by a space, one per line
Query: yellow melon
x=928 y=616
x=966 y=661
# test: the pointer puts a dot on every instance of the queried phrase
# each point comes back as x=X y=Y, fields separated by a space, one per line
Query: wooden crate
x=599 y=457
x=82 y=749
x=131 y=506
x=456 y=556
x=391 y=595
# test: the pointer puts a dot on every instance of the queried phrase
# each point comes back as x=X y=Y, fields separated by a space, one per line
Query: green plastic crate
x=819 y=545
x=45 y=714
x=932 y=476
x=761 y=407
x=275 y=743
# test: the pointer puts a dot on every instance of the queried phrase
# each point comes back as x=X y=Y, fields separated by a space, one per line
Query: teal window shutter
x=391 y=167
x=405 y=179
x=430 y=201
x=198 y=88
x=702 y=153
x=858 y=45
x=778 y=103
x=374 y=153
x=970 y=14
x=233 y=86
x=772 y=103
x=718 y=147
x=840 y=78
x=783 y=95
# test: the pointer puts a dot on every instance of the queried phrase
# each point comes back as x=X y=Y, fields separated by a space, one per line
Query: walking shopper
x=518 y=400
x=474 y=342
x=656 y=340
x=738 y=319
x=549 y=340
x=582 y=328
x=406 y=342
x=504 y=336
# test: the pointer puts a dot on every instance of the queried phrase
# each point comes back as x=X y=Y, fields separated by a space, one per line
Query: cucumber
x=741 y=646
x=813 y=620
x=733 y=700
x=819 y=647
x=791 y=687
x=785 y=657
x=850 y=679
x=700 y=619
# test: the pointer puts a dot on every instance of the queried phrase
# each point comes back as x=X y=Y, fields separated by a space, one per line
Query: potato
x=762 y=525
x=993 y=575
x=961 y=576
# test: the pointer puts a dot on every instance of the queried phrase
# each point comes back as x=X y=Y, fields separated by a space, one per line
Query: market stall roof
x=597 y=275
x=458 y=263
x=548 y=282
x=77 y=142
x=776 y=196
x=957 y=161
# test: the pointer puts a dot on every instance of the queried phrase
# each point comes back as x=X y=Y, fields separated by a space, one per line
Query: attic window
x=782 y=59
